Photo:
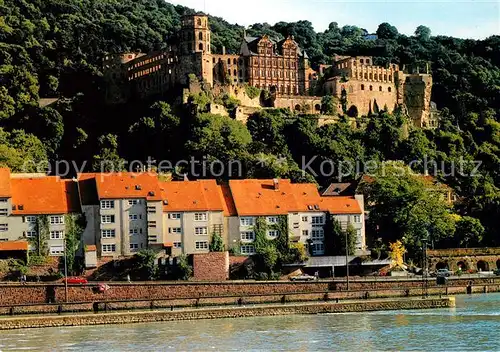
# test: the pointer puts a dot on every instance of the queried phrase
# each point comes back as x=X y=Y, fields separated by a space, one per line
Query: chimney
x=276 y=184
x=223 y=50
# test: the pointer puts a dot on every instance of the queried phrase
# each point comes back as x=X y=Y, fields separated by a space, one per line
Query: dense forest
x=54 y=49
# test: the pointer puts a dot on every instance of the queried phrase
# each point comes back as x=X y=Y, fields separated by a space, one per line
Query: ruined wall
x=417 y=98
x=212 y=266
x=305 y=104
x=364 y=94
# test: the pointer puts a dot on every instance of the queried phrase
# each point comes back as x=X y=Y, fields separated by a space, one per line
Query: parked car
x=444 y=272
x=303 y=277
x=76 y=280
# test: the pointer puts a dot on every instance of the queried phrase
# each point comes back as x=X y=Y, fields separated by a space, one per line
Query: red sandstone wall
x=211 y=266
x=38 y=293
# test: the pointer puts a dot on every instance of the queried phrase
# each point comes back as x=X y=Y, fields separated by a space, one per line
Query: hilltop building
x=371 y=88
x=262 y=63
x=280 y=67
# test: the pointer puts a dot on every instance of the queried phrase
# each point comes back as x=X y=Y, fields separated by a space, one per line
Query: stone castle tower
x=195 y=34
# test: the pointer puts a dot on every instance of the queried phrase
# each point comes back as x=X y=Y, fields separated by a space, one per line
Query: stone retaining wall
x=214 y=313
x=40 y=293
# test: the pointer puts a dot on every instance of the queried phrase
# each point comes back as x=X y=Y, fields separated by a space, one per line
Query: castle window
x=234 y=72
x=200 y=46
x=213 y=60
x=390 y=78
x=366 y=75
x=367 y=61
x=274 y=62
x=389 y=89
x=380 y=88
x=362 y=87
x=199 y=21
x=229 y=61
x=371 y=87
x=200 y=36
x=385 y=77
x=234 y=61
x=262 y=62
x=371 y=75
x=229 y=72
x=286 y=74
x=361 y=61
x=293 y=64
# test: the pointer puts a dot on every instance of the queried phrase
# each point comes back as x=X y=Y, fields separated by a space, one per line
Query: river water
x=473 y=325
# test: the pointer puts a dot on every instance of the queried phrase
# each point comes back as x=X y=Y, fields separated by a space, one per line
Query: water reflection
x=470 y=326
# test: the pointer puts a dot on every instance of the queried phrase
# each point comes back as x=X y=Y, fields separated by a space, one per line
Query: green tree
x=146 y=264
x=328 y=105
x=387 y=31
x=423 y=33
x=108 y=160
x=469 y=231
x=216 y=243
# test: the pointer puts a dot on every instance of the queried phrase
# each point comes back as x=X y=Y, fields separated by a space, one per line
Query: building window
x=200 y=46
x=4 y=227
x=56 y=250
x=367 y=61
x=3 y=200
x=31 y=234
x=174 y=230
x=371 y=87
x=107 y=219
x=379 y=88
x=318 y=234
x=390 y=78
x=134 y=201
x=56 y=235
x=318 y=220
x=247 y=236
x=247 y=249
x=272 y=220
x=247 y=221
x=305 y=233
x=108 y=233
x=200 y=36
x=108 y=248
x=177 y=244
x=272 y=233
x=56 y=220
x=389 y=89
x=318 y=248
x=152 y=224
x=30 y=219
x=134 y=231
x=362 y=87
x=200 y=217
x=133 y=217
x=305 y=218
x=151 y=209
x=201 y=245
x=200 y=231
x=107 y=204
x=4 y=212
x=134 y=247
x=357 y=218
x=174 y=216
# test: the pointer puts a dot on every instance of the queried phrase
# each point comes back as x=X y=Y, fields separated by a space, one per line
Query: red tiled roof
x=125 y=185
x=14 y=246
x=44 y=195
x=259 y=197
x=5 y=189
x=228 y=201
x=203 y=195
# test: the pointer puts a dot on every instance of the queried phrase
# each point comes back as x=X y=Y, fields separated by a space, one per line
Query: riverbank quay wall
x=216 y=313
x=15 y=294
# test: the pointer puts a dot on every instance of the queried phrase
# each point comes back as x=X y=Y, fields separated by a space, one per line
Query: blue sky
x=464 y=19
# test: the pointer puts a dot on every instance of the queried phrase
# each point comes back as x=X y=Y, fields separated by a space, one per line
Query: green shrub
x=252 y=92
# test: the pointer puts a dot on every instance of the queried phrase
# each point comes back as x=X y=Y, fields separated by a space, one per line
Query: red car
x=76 y=280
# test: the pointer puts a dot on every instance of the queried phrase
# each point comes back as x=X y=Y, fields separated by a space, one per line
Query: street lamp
x=347 y=260
x=65 y=272
x=424 y=268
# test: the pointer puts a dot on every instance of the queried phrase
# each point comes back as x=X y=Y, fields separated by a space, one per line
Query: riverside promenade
x=38 y=321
